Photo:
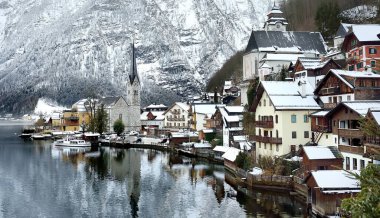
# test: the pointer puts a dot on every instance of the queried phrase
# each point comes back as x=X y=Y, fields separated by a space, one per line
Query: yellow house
x=70 y=120
x=282 y=110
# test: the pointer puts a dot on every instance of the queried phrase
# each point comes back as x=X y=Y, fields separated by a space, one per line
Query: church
x=272 y=49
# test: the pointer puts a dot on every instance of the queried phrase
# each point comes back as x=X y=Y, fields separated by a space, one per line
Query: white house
x=200 y=113
x=232 y=123
x=282 y=116
x=177 y=116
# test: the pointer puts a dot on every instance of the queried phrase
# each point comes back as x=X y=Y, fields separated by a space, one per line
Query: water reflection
x=46 y=181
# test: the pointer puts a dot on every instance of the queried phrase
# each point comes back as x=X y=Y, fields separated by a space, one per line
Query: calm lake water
x=37 y=180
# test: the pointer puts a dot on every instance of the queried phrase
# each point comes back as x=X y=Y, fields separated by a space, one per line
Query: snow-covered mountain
x=66 y=50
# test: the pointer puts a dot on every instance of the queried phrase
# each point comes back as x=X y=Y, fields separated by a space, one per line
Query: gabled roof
x=234 y=109
x=221 y=148
x=286 y=42
x=208 y=109
x=360 y=107
x=286 y=95
x=375 y=114
x=335 y=179
x=159 y=115
x=366 y=32
x=231 y=154
x=346 y=76
x=314 y=63
x=109 y=101
x=343 y=30
x=183 y=106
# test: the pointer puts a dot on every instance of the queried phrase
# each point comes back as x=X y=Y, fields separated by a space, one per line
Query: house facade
x=282 y=112
x=116 y=108
x=177 y=116
x=362 y=47
x=232 y=117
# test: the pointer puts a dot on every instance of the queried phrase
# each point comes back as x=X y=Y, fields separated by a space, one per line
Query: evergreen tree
x=101 y=120
x=118 y=126
x=327 y=18
x=243 y=161
x=367 y=202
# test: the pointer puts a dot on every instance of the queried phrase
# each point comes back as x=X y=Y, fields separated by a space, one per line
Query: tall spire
x=133 y=73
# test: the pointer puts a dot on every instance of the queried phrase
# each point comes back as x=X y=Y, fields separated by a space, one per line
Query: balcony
x=350 y=133
x=264 y=124
x=72 y=118
x=320 y=128
x=267 y=139
x=330 y=91
x=351 y=149
x=329 y=105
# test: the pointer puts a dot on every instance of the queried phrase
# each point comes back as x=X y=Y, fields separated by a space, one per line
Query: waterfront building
x=327 y=188
x=116 y=108
x=282 y=110
x=229 y=158
x=232 y=117
x=152 y=118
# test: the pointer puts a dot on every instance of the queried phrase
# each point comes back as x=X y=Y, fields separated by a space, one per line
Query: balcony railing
x=267 y=139
x=320 y=128
x=264 y=124
x=72 y=118
x=351 y=133
x=351 y=149
x=329 y=105
x=331 y=90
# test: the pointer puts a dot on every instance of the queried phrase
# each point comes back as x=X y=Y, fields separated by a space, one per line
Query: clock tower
x=275 y=20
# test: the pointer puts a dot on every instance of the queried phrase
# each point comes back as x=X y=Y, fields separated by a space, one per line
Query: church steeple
x=275 y=20
x=133 y=73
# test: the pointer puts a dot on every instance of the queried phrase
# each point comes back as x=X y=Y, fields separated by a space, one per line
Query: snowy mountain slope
x=66 y=50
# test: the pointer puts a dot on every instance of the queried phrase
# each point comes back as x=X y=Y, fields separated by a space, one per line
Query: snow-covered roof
x=318 y=152
x=320 y=113
x=204 y=108
x=376 y=115
x=245 y=146
x=155 y=106
x=366 y=32
x=356 y=74
x=234 y=109
x=285 y=88
x=221 y=149
x=240 y=138
x=208 y=130
x=331 y=179
x=231 y=154
x=362 y=107
x=202 y=145
x=79 y=105
x=294 y=102
x=56 y=116
x=228 y=118
x=184 y=134
x=312 y=63
x=158 y=114
x=184 y=106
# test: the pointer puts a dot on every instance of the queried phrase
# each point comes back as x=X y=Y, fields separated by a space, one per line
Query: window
x=334 y=123
x=354 y=164
x=294 y=134
x=327 y=136
x=270 y=147
x=120 y=116
x=259 y=144
x=276 y=147
x=359 y=65
x=372 y=50
x=305 y=118
x=265 y=145
x=361 y=82
x=373 y=63
x=330 y=99
x=265 y=102
x=294 y=118
x=348 y=97
x=362 y=164
x=347 y=163
x=306 y=134
x=340 y=98
x=351 y=67
x=276 y=118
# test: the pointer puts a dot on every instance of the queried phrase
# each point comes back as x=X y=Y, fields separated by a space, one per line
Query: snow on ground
x=47 y=107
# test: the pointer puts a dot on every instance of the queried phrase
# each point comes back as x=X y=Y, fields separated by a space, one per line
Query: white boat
x=71 y=143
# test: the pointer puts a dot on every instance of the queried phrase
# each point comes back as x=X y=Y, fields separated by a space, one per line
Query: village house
x=152 y=119
x=177 y=116
x=55 y=121
x=319 y=158
x=232 y=117
x=346 y=132
x=313 y=70
x=321 y=128
x=342 y=85
x=229 y=159
x=200 y=113
x=219 y=151
x=327 y=189
x=282 y=110
x=70 y=120
x=372 y=141
x=276 y=45
x=362 y=47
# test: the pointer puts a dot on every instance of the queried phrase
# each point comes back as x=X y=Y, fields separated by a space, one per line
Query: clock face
x=278 y=26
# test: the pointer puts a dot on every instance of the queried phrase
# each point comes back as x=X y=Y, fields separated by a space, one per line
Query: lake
x=38 y=180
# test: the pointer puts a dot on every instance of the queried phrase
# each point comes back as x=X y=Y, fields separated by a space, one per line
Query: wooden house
x=229 y=159
x=327 y=189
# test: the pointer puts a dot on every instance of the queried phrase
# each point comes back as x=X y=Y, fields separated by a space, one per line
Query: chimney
x=302 y=85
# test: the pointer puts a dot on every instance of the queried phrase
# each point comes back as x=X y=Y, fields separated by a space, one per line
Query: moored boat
x=71 y=143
